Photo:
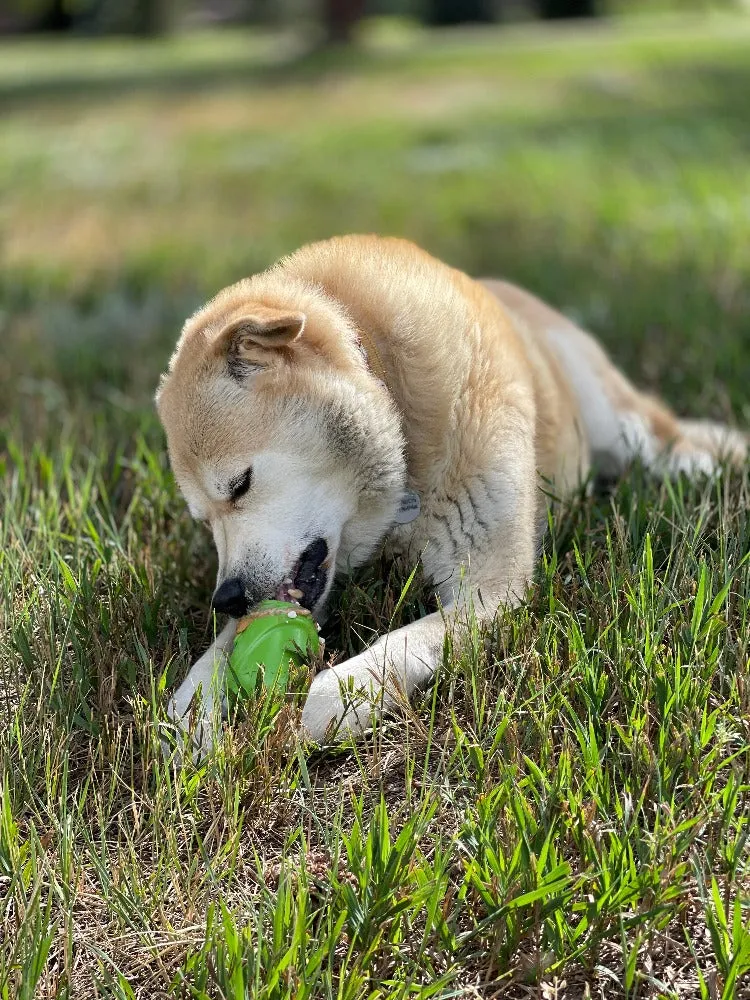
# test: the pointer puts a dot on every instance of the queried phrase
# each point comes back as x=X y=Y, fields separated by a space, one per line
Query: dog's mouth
x=307 y=582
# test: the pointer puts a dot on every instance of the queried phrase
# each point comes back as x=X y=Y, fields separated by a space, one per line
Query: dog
x=359 y=391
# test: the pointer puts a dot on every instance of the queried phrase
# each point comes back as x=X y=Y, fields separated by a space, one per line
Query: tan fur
x=493 y=398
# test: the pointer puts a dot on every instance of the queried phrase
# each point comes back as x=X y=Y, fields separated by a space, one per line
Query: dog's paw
x=342 y=700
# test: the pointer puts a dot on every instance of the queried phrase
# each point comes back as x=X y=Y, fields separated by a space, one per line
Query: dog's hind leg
x=620 y=422
x=623 y=424
x=706 y=443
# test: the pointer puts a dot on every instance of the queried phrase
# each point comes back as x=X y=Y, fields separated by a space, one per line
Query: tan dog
x=360 y=389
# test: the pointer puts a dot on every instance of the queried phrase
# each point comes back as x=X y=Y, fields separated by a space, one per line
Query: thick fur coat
x=306 y=406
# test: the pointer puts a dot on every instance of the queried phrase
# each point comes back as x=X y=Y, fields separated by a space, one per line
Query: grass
x=565 y=812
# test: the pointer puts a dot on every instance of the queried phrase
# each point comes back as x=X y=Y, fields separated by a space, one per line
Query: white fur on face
x=333 y=471
x=288 y=506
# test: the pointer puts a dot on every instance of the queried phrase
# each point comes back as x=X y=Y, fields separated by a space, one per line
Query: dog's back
x=467 y=348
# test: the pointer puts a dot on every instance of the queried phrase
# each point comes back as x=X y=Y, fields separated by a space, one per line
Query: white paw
x=693 y=464
x=342 y=699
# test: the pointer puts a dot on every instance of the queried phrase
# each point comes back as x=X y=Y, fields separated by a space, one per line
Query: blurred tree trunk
x=262 y=12
x=56 y=17
x=152 y=17
x=561 y=9
x=340 y=18
x=446 y=12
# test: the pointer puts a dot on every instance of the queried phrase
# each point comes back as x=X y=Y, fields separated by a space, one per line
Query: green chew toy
x=273 y=638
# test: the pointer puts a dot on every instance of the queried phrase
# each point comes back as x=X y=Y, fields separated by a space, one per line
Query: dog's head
x=283 y=443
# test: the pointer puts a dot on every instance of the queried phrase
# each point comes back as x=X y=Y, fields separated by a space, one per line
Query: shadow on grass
x=702 y=109
x=291 y=60
x=306 y=64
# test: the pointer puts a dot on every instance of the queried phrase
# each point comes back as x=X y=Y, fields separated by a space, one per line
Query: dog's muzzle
x=305 y=585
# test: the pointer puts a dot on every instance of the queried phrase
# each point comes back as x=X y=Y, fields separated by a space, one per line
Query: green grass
x=565 y=812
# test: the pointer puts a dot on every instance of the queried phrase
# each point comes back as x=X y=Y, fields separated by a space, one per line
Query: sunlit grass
x=568 y=804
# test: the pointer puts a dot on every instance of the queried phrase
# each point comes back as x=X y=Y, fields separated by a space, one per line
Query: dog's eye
x=239 y=487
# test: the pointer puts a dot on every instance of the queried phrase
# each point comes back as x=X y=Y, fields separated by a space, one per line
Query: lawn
x=565 y=813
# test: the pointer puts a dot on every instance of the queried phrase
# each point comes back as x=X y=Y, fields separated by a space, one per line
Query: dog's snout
x=230 y=598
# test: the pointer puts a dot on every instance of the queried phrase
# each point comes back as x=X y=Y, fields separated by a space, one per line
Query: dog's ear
x=264 y=327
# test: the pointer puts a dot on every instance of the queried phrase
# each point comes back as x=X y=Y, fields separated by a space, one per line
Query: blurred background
x=152 y=151
x=336 y=19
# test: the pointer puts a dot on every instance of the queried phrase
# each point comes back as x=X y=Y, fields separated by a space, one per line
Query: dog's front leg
x=193 y=705
x=343 y=698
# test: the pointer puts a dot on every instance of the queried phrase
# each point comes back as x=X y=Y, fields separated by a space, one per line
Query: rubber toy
x=271 y=640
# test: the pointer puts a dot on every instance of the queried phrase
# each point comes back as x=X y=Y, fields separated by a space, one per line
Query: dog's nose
x=229 y=598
